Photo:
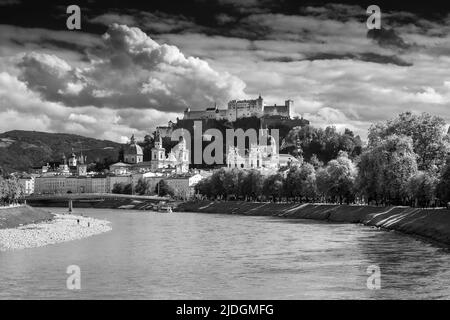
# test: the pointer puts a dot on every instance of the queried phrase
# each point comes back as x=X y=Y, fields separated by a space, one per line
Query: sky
x=138 y=64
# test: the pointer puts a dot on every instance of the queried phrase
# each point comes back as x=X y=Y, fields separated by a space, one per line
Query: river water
x=200 y=256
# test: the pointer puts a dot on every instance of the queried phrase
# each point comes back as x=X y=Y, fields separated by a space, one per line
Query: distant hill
x=21 y=150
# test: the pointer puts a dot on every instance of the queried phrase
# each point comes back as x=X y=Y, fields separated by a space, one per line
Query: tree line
x=405 y=162
x=143 y=187
x=11 y=191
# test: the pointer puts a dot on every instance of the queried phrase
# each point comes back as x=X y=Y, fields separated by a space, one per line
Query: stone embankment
x=432 y=224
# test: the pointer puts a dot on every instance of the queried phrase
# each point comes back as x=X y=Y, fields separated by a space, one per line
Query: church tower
x=182 y=156
x=63 y=167
x=82 y=166
x=158 y=154
x=73 y=160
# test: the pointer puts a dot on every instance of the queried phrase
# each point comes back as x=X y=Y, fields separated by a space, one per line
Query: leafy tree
x=443 y=187
x=386 y=168
x=164 y=189
x=422 y=188
x=337 y=182
x=316 y=163
x=324 y=144
x=273 y=187
x=11 y=191
x=143 y=187
x=231 y=182
x=203 y=187
x=147 y=146
x=122 y=188
x=252 y=184
x=429 y=137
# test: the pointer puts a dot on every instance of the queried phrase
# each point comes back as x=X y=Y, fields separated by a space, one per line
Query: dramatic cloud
x=130 y=80
x=131 y=71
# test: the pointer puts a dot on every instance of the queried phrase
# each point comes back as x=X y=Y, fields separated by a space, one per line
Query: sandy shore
x=62 y=228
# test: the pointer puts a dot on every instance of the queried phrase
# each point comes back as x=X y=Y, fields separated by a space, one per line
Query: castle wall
x=242 y=109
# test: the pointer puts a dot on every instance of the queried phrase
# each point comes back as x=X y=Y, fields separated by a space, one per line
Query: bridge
x=111 y=200
x=92 y=196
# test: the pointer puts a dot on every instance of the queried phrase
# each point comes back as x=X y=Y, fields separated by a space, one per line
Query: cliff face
x=17 y=216
x=428 y=223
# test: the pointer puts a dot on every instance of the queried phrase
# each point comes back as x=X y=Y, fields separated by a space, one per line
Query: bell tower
x=158 y=154
x=82 y=166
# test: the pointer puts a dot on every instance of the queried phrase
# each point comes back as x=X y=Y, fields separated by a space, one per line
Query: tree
x=443 y=187
x=337 y=180
x=121 y=154
x=325 y=144
x=429 y=137
x=422 y=189
x=122 y=188
x=292 y=184
x=164 y=189
x=273 y=187
x=217 y=183
x=386 y=168
x=143 y=187
x=231 y=182
x=147 y=146
x=308 y=181
x=11 y=191
x=203 y=187
x=315 y=162
x=252 y=184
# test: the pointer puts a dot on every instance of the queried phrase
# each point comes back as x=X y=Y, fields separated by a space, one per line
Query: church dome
x=133 y=148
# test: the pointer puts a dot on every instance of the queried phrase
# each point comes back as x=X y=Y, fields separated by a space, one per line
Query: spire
x=158 y=140
x=132 y=140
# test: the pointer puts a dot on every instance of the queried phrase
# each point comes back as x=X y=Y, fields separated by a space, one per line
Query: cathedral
x=259 y=156
x=176 y=161
x=178 y=157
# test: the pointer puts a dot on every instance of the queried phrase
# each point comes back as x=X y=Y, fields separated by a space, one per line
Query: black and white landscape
x=224 y=149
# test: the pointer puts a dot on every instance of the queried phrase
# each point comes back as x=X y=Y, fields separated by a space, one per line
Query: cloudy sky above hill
x=133 y=66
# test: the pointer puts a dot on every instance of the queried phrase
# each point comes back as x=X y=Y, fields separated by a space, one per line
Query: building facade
x=27 y=184
x=183 y=185
x=178 y=157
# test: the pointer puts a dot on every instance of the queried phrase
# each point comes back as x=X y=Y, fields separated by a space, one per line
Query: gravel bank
x=61 y=229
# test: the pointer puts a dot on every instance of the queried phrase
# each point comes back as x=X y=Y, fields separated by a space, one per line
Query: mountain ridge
x=20 y=150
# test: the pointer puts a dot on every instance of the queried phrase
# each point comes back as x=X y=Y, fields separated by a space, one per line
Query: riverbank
x=61 y=228
x=16 y=216
x=432 y=224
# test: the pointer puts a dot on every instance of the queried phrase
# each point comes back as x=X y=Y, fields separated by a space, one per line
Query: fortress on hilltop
x=238 y=109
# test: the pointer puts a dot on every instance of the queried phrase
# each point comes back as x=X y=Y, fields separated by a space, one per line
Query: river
x=204 y=256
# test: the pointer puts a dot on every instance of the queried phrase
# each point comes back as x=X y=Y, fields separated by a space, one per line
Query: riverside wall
x=431 y=224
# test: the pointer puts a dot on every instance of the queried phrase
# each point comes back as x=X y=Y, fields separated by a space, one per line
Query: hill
x=21 y=150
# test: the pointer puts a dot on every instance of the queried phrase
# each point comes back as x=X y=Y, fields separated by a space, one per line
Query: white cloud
x=135 y=72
